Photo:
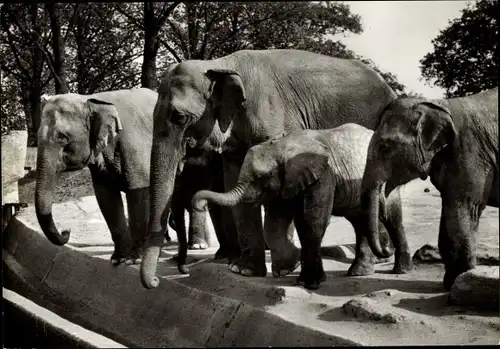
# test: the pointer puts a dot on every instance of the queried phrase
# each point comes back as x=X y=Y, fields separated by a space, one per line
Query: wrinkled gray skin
x=255 y=96
x=111 y=133
x=306 y=177
x=455 y=141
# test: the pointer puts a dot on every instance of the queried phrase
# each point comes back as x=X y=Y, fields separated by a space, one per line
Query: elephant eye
x=179 y=118
x=386 y=147
x=62 y=138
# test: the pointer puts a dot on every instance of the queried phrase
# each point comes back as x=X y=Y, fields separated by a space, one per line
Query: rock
x=478 y=287
x=427 y=254
x=486 y=255
x=277 y=294
x=369 y=309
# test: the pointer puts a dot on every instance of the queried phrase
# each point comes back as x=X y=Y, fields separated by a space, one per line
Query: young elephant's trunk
x=371 y=201
x=231 y=198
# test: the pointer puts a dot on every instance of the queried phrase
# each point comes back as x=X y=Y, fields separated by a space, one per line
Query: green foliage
x=465 y=56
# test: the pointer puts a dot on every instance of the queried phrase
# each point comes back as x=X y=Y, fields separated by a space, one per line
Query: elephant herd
x=305 y=135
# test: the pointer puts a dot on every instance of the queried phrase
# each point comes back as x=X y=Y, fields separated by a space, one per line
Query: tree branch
x=131 y=18
x=163 y=15
x=170 y=49
x=72 y=22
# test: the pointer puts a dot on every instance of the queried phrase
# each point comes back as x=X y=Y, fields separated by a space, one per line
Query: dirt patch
x=70 y=186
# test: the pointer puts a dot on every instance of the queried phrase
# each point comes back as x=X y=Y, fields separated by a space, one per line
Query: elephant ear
x=435 y=126
x=302 y=171
x=105 y=124
x=228 y=95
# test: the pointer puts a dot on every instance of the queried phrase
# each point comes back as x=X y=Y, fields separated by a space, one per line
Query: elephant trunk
x=230 y=198
x=46 y=181
x=165 y=156
x=371 y=200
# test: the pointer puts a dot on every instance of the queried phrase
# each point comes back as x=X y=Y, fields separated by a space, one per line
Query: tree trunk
x=57 y=49
x=37 y=68
x=151 y=46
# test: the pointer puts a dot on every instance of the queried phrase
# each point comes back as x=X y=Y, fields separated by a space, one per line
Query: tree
x=465 y=58
x=57 y=60
x=104 y=48
x=154 y=16
x=57 y=48
x=25 y=37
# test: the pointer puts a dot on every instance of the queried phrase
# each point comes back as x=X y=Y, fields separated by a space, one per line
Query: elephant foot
x=250 y=264
x=134 y=257
x=198 y=244
x=119 y=255
x=311 y=277
x=360 y=269
x=403 y=264
x=284 y=266
x=116 y=259
x=451 y=274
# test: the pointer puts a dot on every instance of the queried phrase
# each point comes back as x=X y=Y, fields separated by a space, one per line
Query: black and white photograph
x=249 y=174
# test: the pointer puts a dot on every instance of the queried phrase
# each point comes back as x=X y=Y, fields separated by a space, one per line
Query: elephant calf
x=306 y=177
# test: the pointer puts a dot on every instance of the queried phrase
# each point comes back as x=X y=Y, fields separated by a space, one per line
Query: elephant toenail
x=234 y=268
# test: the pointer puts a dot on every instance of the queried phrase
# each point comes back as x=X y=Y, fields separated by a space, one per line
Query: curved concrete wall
x=111 y=301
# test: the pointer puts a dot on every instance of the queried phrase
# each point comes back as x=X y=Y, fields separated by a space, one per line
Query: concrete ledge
x=20 y=311
x=111 y=301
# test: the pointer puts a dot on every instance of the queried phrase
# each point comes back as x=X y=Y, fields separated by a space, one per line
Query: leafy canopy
x=465 y=56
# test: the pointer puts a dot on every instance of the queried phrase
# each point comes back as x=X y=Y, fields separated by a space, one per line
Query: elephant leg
x=394 y=224
x=457 y=237
x=197 y=230
x=249 y=228
x=285 y=255
x=111 y=205
x=138 y=213
x=312 y=219
x=363 y=263
x=177 y=215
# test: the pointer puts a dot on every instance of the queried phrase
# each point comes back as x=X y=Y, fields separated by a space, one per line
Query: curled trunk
x=231 y=198
x=44 y=190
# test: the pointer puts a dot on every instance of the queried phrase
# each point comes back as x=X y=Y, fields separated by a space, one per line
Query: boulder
x=487 y=254
x=368 y=309
x=478 y=287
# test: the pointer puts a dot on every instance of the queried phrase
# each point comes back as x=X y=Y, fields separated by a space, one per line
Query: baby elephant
x=306 y=177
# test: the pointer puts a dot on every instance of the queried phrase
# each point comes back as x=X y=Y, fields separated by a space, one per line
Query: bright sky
x=397 y=34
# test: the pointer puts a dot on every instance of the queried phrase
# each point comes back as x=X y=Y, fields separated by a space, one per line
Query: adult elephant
x=255 y=96
x=455 y=141
x=110 y=132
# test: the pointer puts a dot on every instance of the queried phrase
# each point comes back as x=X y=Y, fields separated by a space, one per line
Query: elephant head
x=73 y=132
x=192 y=96
x=282 y=167
x=411 y=132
